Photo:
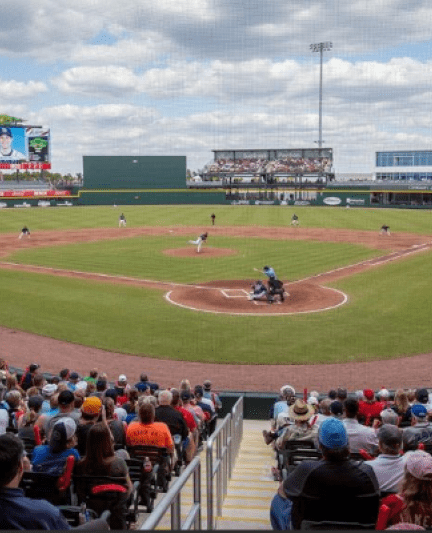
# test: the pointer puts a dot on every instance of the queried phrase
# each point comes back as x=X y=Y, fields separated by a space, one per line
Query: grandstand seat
x=286 y=457
x=158 y=456
x=105 y=493
x=330 y=526
x=147 y=482
x=42 y=486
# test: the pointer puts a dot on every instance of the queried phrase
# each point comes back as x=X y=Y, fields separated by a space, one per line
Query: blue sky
x=177 y=77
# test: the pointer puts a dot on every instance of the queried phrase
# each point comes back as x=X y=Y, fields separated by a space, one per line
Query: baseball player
x=268 y=271
x=259 y=291
x=385 y=230
x=7 y=153
x=25 y=232
x=122 y=220
x=213 y=218
x=199 y=242
x=295 y=220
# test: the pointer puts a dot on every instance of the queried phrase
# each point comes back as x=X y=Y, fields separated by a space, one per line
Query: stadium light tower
x=321 y=47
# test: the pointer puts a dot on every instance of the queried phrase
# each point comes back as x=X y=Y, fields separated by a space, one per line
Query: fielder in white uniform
x=199 y=242
x=7 y=153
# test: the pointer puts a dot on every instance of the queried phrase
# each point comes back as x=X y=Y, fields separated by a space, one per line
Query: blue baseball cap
x=332 y=434
x=419 y=410
x=6 y=131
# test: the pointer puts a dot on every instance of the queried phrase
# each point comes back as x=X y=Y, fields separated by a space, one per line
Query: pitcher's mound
x=206 y=251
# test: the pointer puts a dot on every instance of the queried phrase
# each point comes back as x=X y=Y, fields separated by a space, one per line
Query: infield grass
x=388 y=313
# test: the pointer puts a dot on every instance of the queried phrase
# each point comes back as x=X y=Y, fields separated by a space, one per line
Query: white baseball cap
x=122 y=378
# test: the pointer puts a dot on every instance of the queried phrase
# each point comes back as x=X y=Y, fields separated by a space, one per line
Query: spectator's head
x=351 y=407
x=111 y=393
x=99 y=447
x=389 y=439
x=185 y=397
x=333 y=440
x=336 y=409
x=419 y=412
x=301 y=412
x=383 y=394
x=132 y=395
x=417 y=482
x=35 y=403
x=143 y=377
x=91 y=408
x=48 y=390
x=287 y=393
x=109 y=407
x=314 y=394
x=11 y=382
x=411 y=395
x=314 y=403
x=207 y=385
x=11 y=459
x=13 y=398
x=33 y=368
x=74 y=377
x=401 y=401
x=66 y=401
x=94 y=373
x=165 y=397
x=54 y=401
x=332 y=394
x=146 y=413
x=55 y=380
x=63 y=435
x=388 y=416
x=422 y=395
x=79 y=396
x=369 y=395
x=101 y=385
x=341 y=394
x=38 y=381
x=409 y=442
x=64 y=374
x=175 y=397
x=122 y=380
x=185 y=384
x=198 y=392
x=325 y=406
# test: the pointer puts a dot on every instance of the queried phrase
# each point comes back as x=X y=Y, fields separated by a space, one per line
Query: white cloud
x=12 y=90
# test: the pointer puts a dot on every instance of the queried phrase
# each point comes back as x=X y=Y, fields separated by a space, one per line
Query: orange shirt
x=155 y=434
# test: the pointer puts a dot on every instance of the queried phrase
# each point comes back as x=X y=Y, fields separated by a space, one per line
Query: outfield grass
x=387 y=314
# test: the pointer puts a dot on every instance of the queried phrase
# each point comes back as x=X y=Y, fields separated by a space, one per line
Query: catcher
x=259 y=291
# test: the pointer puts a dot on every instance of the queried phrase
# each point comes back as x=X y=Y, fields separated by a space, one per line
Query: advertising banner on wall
x=24 y=148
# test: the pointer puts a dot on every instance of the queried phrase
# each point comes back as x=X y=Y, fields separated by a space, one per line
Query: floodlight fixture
x=321 y=47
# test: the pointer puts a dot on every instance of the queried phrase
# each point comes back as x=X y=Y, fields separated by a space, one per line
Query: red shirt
x=188 y=416
x=371 y=410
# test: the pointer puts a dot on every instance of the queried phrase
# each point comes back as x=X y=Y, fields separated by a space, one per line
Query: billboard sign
x=24 y=147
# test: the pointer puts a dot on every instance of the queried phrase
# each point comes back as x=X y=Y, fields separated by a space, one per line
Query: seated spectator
x=334 y=488
x=185 y=385
x=38 y=383
x=341 y=394
x=100 y=460
x=360 y=436
x=27 y=421
x=388 y=416
x=51 y=458
x=92 y=377
x=189 y=444
x=47 y=392
x=332 y=395
x=324 y=411
x=144 y=383
x=301 y=413
x=117 y=427
x=148 y=432
x=74 y=378
x=12 y=384
x=422 y=398
x=287 y=398
x=132 y=401
x=15 y=408
x=101 y=387
x=175 y=421
x=64 y=376
x=122 y=388
x=207 y=406
x=90 y=414
x=28 y=376
x=416 y=491
x=401 y=407
x=210 y=395
x=389 y=465
x=420 y=429
x=384 y=397
x=369 y=408
x=66 y=401
x=336 y=409
x=17 y=511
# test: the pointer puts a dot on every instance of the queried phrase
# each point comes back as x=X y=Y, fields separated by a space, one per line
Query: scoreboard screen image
x=24 y=148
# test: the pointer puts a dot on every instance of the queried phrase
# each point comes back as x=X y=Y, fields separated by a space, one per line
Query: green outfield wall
x=134 y=172
x=150 y=197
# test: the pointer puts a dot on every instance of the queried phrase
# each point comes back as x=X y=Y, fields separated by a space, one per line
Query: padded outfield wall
x=140 y=180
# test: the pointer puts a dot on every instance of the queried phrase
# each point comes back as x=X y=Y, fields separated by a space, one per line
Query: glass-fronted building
x=413 y=165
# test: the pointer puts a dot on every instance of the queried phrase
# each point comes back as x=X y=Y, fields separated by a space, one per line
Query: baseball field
x=143 y=290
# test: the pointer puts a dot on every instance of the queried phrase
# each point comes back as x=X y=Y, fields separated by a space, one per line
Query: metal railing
x=173 y=499
x=220 y=465
x=221 y=459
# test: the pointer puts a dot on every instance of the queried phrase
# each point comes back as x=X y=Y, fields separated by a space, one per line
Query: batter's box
x=234 y=293
x=264 y=302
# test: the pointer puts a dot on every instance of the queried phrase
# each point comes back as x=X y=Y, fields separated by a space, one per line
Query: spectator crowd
x=45 y=420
